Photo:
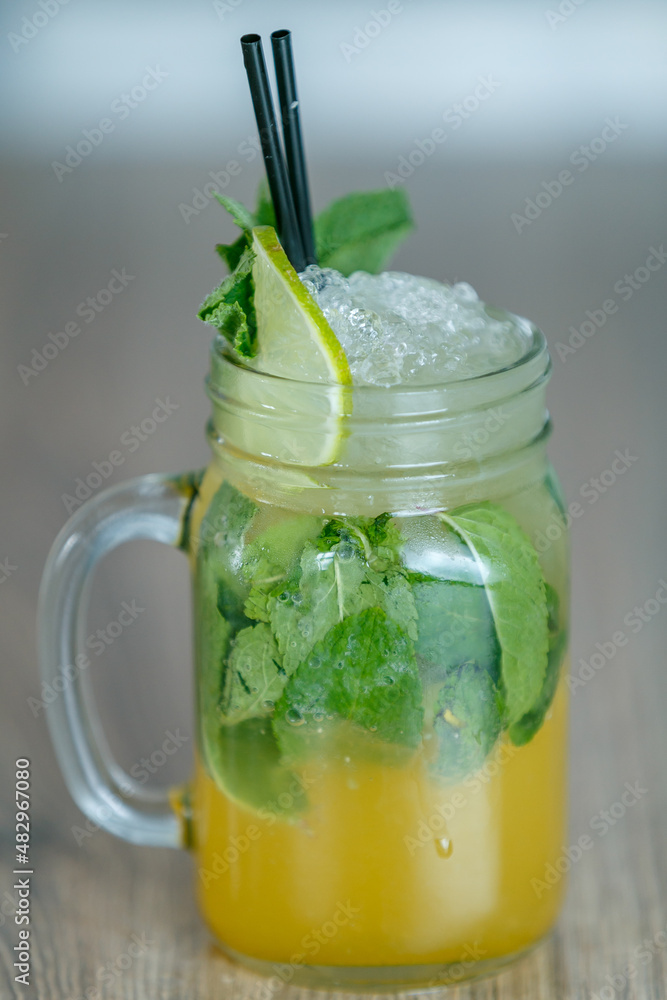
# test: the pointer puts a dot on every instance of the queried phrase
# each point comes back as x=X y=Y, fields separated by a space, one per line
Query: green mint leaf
x=239 y=213
x=393 y=593
x=225 y=523
x=245 y=763
x=525 y=728
x=379 y=538
x=383 y=532
x=219 y=598
x=264 y=212
x=364 y=671
x=515 y=588
x=243 y=759
x=272 y=557
x=257 y=605
x=264 y=215
x=455 y=626
x=254 y=679
x=219 y=548
x=468 y=721
x=231 y=253
x=230 y=308
x=361 y=231
x=328 y=589
x=336 y=577
x=273 y=554
x=213 y=635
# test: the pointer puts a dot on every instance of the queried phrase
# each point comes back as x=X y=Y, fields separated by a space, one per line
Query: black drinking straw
x=276 y=172
x=293 y=141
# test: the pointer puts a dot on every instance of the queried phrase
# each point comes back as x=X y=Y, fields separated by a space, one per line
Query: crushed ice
x=401 y=328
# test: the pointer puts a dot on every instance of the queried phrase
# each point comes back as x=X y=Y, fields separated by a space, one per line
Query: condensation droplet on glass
x=294 y=718
x=444 y=847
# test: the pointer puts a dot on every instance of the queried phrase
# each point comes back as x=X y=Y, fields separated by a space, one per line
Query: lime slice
x=295 y=342
x=285 y=413
x=244 y=762
x=294 y=338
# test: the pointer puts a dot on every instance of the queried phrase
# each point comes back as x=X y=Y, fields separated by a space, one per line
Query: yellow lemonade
x=386 y=866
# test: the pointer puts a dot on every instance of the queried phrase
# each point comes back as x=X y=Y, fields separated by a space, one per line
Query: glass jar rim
x=532 y=364
x=294 y=435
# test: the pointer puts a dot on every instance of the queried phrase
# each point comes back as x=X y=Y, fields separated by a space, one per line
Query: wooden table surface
x=92 y=895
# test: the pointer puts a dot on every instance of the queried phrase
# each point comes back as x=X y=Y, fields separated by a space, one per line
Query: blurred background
x=118 y=119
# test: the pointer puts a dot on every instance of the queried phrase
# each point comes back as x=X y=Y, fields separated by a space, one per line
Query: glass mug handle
x=154 y=507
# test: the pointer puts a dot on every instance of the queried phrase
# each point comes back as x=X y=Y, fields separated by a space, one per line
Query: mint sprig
x=359 y=232
x=230 y=307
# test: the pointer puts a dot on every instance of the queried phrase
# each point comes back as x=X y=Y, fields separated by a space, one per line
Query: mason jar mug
x=380 y=580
